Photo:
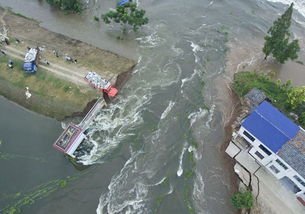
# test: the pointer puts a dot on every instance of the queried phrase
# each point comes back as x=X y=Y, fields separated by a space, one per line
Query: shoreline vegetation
x=282 y=95
x=58 y=89
x=247 y=67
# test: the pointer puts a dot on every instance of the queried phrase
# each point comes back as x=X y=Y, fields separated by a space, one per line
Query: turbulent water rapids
x=156 y=149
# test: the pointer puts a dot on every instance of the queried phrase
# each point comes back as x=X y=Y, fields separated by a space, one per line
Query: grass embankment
x=51 y=96
x=280 y=94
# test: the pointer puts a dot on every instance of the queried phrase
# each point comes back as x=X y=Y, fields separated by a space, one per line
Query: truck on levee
x=30 y=60
x=98 y=82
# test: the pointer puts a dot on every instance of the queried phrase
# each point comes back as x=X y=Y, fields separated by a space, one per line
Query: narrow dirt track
x=57 y=70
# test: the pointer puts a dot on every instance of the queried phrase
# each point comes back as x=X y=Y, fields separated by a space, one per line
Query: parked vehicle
x=96 y=81
x=30 y=60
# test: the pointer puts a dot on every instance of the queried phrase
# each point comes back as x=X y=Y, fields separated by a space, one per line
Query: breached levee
x=58 y=89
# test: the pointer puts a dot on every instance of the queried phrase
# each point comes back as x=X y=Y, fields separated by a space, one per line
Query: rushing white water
x=180 y=168
x=164 y=111
x=187 y=79
x=115 y=201
x=151 y=41
x=167 y=110
x=104 y=122
x=196 y=115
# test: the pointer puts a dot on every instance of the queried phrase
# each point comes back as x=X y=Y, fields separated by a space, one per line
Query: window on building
x=281 y=164
x=299 y=180
x=259 y=155
x=274 y=169
x=250 y=137
x=265 y=150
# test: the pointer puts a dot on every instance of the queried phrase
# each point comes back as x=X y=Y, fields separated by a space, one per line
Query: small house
x=278 y=144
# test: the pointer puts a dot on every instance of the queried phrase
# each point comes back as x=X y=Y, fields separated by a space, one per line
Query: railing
x=92 y=113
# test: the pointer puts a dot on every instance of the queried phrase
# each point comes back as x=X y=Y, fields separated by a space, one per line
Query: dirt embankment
x=72 y=95
x=247 y=56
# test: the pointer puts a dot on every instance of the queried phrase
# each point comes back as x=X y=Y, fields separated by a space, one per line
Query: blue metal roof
x=270 y=126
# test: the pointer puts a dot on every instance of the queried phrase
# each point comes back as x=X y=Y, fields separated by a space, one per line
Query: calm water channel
x=156 y=148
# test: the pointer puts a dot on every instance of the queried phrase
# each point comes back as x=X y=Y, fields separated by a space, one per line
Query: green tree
x=296 y=96
x=71 y=5
x=242 y=200
x=277 y=42
x=126 y=14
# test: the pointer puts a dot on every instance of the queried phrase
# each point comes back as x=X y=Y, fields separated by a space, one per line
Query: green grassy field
x=51 y=96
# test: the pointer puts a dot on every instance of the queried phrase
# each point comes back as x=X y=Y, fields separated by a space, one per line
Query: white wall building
x=278 y=144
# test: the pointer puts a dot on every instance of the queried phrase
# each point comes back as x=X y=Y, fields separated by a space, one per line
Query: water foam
x=167 y=110
x=111 y=126
x=210 y=118
x=180 y=168
x=127 y=201
x=171 y=190
x=195 y=115
x=158 y=183
x=195 y=47
x=198 y=192
x=187 y=79
x=151 y=41
x=299 y=5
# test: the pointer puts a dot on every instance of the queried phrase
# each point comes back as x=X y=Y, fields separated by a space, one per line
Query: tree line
x=126 y=15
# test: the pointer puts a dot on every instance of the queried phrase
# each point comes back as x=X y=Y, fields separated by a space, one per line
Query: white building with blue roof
x=278 y=144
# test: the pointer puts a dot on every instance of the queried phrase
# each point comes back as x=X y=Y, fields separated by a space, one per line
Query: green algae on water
x=31 y=196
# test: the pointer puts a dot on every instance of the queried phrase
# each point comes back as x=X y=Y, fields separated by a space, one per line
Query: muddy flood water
x=156 y=148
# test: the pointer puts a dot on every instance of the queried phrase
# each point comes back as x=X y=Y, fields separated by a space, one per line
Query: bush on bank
x=242 y=200
x=284 y=96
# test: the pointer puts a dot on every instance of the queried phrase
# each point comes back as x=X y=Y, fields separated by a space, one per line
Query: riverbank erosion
x=58 y=89
x=247 y=56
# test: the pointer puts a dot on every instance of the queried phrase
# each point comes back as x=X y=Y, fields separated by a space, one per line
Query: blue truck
x=30 y=60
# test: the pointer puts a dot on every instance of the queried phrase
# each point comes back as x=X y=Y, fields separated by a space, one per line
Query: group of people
x=10 y=63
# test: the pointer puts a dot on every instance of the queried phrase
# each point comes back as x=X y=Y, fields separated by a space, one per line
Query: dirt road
x=25 y=33
x=73 y=75
x=62 y=90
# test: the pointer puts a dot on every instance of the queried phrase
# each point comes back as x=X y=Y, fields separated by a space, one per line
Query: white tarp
x=30 y=55
x=97 y=80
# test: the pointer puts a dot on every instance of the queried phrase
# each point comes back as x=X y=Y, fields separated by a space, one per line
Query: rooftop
x=293 y=153
x=255 y=97
x=67 y=138
x=270 y=126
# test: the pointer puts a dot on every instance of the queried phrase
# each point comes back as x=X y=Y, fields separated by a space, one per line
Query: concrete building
x=278 y=144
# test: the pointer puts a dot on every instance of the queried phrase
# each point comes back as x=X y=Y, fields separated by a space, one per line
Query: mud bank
x=73 y=97
x=248 y=56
